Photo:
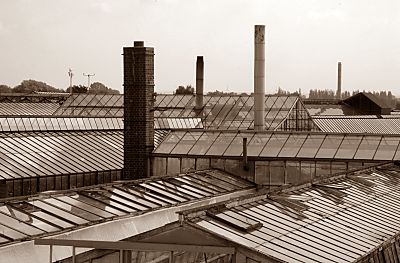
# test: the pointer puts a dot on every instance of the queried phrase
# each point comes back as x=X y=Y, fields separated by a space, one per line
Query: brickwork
x=138 y=110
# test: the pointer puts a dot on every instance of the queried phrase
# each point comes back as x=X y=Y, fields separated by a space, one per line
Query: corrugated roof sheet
x=342 y=220
x=372 y=125
x=51 y=213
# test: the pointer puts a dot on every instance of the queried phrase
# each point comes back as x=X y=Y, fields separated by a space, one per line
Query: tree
x=5 y=89
x=29 y=86
x=100 y=88
x=182 y=90
x=78 y=89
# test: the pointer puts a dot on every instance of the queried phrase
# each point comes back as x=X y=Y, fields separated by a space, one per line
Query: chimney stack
x=339 y=82
x=199 y=82
x=259 y=77
x=138 y=110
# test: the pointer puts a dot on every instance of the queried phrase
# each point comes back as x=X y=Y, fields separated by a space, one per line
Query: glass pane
x=330 y=146
x=58 y=212
x=348 y=147
x=387 y=148
x=274 y=145
x=236 y=147
x=257 y=143
x=368 y=147
x=292 y=145
x=311 y=146
x=27 y=218
x=203 y=143
x=221 y=143
x=72 y=209
x=186 y=143
x=169 y=143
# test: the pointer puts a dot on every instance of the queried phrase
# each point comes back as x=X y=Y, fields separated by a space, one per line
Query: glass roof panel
x=368 y=147
x=72 y=209
x=292 y=145
x=99 y=203
x=269 y=102
x=221 y=144
x=348 y=147
x=274 y=145
x=186 y=143
x=279 y=102
x=310 y=146
x=169 y=142
x=19 y=225
x=62 y=124
x=4 y=124
x=27 y=218
x=289 y=102
x=236 y=147
x=329 y=146
x=27 y=124
x=12 y=124
x=203 y=143
x=387 y=149
x=257 y=143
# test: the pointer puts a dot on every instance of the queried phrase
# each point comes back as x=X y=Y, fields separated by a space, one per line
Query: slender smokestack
x=259 y=77
x=199 y=82
x=339 y=81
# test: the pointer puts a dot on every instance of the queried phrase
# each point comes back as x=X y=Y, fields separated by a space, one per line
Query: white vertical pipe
x=259 y=77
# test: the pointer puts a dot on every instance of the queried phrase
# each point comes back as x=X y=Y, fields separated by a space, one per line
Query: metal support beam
x=73 y=255
x=137 y=246
x=51 y=254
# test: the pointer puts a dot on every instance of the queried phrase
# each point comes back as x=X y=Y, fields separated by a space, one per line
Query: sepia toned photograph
x=198 y=131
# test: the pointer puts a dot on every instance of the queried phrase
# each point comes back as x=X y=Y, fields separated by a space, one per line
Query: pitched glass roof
x=344 y=220
x=46 y=123
x=282 y=145
x=92 y=105
x=27 y=218
x=30 y=154
x=219 y=112
x=28 y=108
x=236 y=111
x=53 y=153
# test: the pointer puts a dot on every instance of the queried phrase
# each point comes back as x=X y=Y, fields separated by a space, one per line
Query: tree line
x=31 y=86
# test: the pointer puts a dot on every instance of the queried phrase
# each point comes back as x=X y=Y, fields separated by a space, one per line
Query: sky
x=42 y=39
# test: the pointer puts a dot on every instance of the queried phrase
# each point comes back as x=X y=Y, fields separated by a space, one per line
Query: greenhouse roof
x=281 y=145
x=103 y=209
x=346 y=219
x=219 y=112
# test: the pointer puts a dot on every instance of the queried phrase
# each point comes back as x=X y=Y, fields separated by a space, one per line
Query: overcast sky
x=41 y=39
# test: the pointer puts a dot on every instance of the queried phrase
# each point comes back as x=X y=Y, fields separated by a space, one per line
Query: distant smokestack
x=339 y=81
x=259 y=77
x=199 y=82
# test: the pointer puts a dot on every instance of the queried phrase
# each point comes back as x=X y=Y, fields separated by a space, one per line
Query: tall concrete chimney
x=138 y=110
x=339 y=81
x=259 y=77
x=199 y=82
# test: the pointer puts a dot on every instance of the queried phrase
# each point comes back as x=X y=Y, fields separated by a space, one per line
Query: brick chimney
x=138 y=110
